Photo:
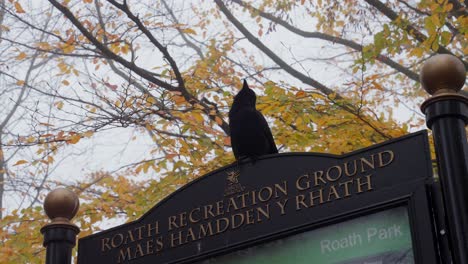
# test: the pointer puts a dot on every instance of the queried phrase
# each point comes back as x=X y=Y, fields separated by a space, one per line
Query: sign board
x=279 y=196
x=383 y=237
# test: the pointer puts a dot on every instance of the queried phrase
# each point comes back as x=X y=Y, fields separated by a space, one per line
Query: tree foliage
x=332 y=76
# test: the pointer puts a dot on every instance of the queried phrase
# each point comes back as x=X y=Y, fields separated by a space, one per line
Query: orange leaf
x=179 y=99
x=227 y=141
x=171 y=155
x=301 y=94
x=219 y=121
x=19 y=162
x=20 y=82
x=21 y=56
x=74 y=139
x=19 y=8
x=65 y=82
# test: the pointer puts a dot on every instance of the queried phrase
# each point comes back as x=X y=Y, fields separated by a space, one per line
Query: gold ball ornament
x=61 y=204
x=443 y=73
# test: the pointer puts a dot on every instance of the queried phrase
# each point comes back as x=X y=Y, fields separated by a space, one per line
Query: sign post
x=446 y=112
x=60 y=205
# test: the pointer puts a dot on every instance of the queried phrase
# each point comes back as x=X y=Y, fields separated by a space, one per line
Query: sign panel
x=241 y=205
x=383 y=238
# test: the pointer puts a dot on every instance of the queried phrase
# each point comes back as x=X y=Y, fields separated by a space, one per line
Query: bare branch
x=303 y=78
x=319 y=35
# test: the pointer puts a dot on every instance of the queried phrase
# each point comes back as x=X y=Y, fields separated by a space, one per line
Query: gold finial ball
x=61 y=203
x=443 y=73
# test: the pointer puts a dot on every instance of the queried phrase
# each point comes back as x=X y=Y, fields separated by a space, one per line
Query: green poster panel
x=379 y=238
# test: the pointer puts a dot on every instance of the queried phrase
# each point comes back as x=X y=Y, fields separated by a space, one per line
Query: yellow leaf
x=68 y=48
x=20 y=82
x=21 y=56
x=88 y=134
x=189 y=31
x=198 y=116
x=146 y=166
x=65 y=82
x=19 y=162
x=19 y=8
x=74 y=139
x=44 y=45
x=59 y=105
x=151 y=100
x=63 y=67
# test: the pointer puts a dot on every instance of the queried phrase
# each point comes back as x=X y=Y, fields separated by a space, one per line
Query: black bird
x=250 y=134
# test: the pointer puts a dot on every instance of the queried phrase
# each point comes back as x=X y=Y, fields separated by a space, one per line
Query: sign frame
x=412 y=192
x=414 y=197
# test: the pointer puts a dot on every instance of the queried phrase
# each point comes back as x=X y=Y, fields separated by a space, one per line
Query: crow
x=250 y=134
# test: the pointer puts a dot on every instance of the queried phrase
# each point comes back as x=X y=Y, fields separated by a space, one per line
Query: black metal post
x=60 y=205
x=447 y=115
x=59 y=241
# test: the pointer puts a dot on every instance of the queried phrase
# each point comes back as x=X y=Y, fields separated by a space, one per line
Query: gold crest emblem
x=233 y=177
x=233 y=186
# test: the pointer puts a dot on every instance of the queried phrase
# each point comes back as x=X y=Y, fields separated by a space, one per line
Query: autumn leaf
x=21 y=56
x=74 y=139
x=178 y=99
x=227 y=141
x=59 y=105
x=19 y=8
x=19 y=162
x=88 y=134
x=198 y=116
x=189 y=31
x=300 y=94
x=68 y=48
x=218 y=120
x=171 y=155
x=113 y=87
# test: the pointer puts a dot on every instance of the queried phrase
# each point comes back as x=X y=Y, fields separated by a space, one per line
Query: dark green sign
x=380 y=238
x=346 y=200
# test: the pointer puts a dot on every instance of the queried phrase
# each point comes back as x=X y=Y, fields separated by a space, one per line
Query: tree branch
x=303 y=78
x=412 y=31
x=132 y=66
x=319 y=35
x=182 y=34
